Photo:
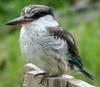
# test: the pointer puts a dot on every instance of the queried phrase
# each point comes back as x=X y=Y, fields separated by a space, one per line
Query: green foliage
x=11 y=74
x=88 y=41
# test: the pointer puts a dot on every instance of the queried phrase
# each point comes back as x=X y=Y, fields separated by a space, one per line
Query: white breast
x=35 y=47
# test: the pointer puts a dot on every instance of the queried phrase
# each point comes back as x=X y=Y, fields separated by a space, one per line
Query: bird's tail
x=87 y=73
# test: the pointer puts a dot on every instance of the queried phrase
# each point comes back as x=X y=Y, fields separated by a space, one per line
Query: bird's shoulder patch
x=67 y=36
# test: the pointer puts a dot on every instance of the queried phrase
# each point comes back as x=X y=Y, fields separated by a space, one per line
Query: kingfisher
x=46 y=44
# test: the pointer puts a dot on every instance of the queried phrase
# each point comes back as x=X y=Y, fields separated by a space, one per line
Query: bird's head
x=31 y=13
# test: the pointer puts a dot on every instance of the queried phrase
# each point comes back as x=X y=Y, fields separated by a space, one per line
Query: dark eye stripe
x=38 y=15
x=41 y=14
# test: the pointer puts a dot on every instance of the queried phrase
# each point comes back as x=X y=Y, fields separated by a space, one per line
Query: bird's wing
x=74 y=60
x=59 y=32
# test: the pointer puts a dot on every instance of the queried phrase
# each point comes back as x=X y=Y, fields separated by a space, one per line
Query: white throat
x=41 y=23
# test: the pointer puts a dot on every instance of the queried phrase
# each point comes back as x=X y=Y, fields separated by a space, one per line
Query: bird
x=46 y=44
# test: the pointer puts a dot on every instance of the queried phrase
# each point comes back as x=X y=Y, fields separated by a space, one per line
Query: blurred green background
x=81 y=17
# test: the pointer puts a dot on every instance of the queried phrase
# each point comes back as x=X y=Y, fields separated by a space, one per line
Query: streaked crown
x=36 y=11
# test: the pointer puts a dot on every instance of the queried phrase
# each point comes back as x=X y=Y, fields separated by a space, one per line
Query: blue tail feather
x=87 y=73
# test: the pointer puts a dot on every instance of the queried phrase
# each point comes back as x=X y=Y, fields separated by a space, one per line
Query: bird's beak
x=19 y=20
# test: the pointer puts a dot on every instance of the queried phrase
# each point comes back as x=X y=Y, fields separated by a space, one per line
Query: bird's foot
x=45 y=76
x=39 y=74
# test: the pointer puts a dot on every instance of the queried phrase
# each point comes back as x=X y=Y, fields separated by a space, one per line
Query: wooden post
x=64 y=81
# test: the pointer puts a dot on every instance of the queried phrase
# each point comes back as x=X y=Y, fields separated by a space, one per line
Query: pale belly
x=42 y=55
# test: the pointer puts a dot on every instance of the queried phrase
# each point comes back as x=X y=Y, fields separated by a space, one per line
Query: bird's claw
x=39 y=74
x=45 y=75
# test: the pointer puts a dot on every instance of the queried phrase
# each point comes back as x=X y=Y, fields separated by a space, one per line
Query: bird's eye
x=25 y=17
x=41 y=14
x=38 y=15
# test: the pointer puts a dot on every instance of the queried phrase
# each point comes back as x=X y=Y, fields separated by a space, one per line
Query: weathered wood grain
x=64 y=81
